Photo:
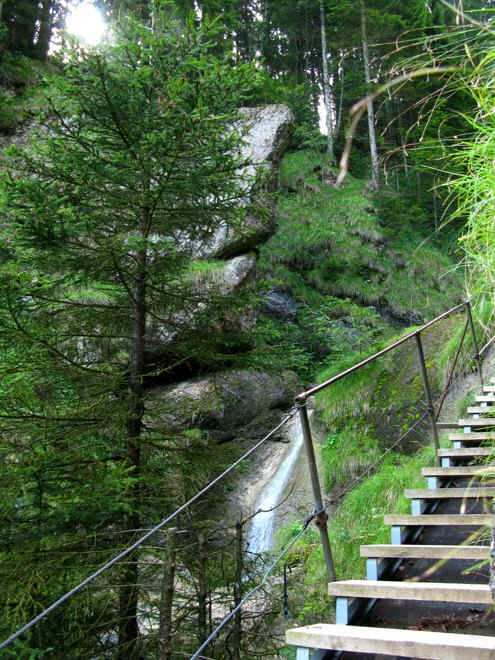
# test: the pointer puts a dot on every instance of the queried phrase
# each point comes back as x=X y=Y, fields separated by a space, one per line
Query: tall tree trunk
x=128 y=597
x=326 y=83
x=338 y=118
x=371 y=112
x=45 y=30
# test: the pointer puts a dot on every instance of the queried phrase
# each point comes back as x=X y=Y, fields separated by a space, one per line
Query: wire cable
x=141 y=540
x=257 y=587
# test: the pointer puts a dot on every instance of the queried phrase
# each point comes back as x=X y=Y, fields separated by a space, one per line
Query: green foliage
x=347 y=267
x=20 y=92
x=135 y=159
x=347 y=455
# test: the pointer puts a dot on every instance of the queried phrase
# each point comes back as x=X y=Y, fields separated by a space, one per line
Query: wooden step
x=488 y=388
x=481 y=421
x=460 y=471
x=433 y=591
x=392 y=641
x=478 y=410
x=449 y=493
x=477 y=519
x=476 y=436
x=418 y=551
x=488 y=398
x=467 y=452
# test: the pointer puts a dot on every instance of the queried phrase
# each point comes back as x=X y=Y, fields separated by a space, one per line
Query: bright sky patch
x=86 y=23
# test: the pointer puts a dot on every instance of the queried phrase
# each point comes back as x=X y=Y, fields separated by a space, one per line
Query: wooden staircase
x=468 y=461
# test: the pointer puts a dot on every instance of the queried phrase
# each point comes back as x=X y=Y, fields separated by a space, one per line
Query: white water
x=261 y=533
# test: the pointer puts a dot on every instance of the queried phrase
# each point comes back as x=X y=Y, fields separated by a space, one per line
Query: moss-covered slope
x=352 y=271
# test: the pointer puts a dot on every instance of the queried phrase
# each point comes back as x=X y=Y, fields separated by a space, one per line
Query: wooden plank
x=467 y=451
x=460 y=471
x=481 y=421
x=489 y=398
x=434 y=591
x=393 y=641
x=478 y=410
x=449 y=493
x=489 y=388
x=477 y=519
x=474 y=435
x=418 y=551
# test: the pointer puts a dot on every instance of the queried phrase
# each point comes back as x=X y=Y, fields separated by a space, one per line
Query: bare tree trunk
x=238 y=590
x=167 y=599
x=340 y=71
x=371 y=112
x=327 y=95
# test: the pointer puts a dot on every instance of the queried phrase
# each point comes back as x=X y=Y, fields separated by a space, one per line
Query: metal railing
x=301 y=400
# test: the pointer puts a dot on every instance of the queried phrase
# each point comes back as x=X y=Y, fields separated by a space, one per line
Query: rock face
x=278 y=303
x=226 y=400
x=231 y=274
x=230 y=399
x=267 y=135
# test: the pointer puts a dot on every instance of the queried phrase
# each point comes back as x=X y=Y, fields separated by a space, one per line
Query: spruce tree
x=137 y=160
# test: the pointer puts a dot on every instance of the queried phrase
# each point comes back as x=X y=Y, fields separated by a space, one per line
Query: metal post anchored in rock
x=321 y=517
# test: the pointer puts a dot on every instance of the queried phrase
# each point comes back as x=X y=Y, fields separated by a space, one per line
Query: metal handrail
x=314 y=390
x=301 y=400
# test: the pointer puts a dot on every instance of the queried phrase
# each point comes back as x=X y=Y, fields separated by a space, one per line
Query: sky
x=86 y=23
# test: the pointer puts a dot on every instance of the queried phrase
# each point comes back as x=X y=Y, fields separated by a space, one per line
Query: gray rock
x=223 y=279
x=226 y=400
x=229 y=276
x=267 y=134
x=278 y=303
x=269 y=129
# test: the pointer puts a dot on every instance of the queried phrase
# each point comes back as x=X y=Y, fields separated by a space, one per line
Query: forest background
x=84 y=281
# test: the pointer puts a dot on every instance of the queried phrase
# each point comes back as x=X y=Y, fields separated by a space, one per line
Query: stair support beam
x=346 y=609
x=429 y=398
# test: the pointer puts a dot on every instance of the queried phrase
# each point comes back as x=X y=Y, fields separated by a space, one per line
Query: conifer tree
x=137 y=161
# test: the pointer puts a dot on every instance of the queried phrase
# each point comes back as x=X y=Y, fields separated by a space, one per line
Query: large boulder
x=267 y=131
x=226 y=400
x=219 y=279
x=280 y=304
x=229 y=275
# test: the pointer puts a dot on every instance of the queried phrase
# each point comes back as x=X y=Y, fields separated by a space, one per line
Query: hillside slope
x=346 y=267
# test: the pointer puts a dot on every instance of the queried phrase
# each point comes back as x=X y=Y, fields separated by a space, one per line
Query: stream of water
x=261 y=533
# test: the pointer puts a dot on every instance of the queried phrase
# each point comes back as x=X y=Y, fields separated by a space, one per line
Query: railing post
x=429 y=398
x=476 y=355
x=321 y=517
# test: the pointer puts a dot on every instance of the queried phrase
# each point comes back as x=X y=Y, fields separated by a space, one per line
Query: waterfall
x=261 y=532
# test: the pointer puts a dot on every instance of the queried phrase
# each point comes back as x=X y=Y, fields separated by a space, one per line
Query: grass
x=337 y=243
x=359 y=519
x=350 y=270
